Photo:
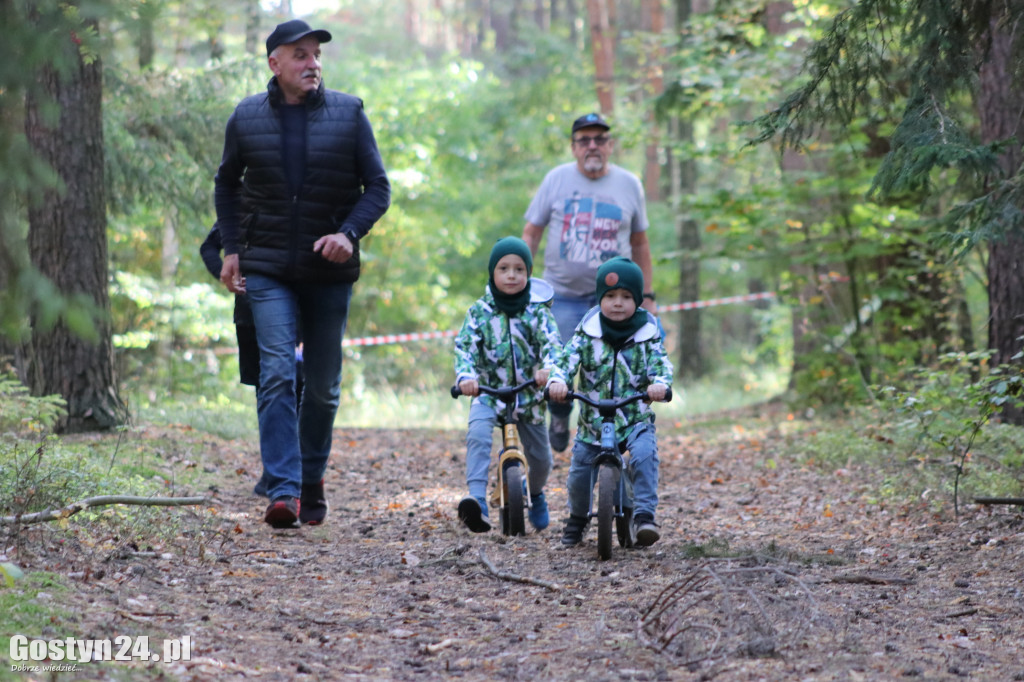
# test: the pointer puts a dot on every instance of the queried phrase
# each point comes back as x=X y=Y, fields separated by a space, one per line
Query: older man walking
x=301 y=181
x=593 y=211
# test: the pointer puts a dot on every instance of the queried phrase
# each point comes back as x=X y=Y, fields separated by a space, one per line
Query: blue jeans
x=479 y=437
x=642 y=473
x=295 y=447
x=568 y=313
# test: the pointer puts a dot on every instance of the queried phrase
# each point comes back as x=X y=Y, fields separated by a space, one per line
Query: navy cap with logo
x=293 y=31
x=589 y=121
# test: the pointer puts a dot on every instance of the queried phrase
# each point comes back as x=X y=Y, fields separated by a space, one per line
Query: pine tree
x=953 y=68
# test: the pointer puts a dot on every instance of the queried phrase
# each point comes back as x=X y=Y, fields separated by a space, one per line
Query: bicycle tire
x=513 y=515
x=606 y=484
x=623 y=528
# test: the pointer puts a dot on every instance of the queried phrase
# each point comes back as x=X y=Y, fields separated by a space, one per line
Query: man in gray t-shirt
x=594 y=211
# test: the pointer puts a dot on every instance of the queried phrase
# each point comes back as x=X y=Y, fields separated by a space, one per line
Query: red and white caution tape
x=397 y=338
x=426 y=336
x=711 y=302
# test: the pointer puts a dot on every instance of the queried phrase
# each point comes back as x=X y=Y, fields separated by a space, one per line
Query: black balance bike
x=607 y=472
x=513 y=490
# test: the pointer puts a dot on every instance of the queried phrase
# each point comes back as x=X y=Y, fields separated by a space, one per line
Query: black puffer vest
x=278 y=230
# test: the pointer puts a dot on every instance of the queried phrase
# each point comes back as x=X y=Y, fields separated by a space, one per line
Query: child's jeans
x=642 y=472
x=479 y=438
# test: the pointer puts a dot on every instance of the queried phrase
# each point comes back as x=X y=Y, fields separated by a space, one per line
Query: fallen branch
x=250 y=551
x=999 y=500
x=504 y=575
x=99 y=501
x=136 y=618
x=961 y=614
x=435 y=648
x=871 y=579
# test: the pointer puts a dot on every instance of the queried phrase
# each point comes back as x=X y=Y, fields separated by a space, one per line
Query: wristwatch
x=650 y=295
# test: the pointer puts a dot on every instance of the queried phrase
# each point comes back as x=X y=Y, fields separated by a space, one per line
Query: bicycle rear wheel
x=624 y=528
x=606 y=485
x=512 y=516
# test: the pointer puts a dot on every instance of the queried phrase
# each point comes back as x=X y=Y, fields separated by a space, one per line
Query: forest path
x=779 y=571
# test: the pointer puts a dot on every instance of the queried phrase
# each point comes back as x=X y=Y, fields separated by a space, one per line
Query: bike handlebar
x=610 y=404
x=502 y=393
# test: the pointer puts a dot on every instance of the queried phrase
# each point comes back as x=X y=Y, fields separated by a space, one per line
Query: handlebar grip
x=668 y=395
x=456 y=391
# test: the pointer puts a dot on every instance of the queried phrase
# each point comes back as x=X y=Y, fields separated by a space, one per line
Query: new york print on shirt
x=590 y=231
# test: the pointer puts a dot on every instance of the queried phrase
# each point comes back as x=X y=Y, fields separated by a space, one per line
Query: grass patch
x=32 y=607
x=908 y=467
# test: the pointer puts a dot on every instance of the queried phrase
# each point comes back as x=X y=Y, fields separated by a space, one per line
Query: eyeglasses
x=585 y=140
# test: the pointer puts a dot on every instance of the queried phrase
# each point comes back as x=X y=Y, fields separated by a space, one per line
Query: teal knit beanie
x=506 y=246
x=620 y=273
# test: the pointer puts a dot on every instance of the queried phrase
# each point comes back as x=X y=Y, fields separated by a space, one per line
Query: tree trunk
x=13 y=253
x=808 y=316
x=691 y=363
x=1001 y=108
x=515 y=21
x=412 y=22
x=148 y=13
x=653 y=24
x=500 y=24
x=68 y=244
x=572 y=13
x=602 y=45
x=252 y=27
x=541 y=16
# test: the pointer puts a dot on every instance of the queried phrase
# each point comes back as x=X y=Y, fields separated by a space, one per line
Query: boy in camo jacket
x=617 y=351
x=509 y=336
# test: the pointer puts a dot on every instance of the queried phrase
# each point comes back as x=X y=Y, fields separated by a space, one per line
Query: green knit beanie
x=620 y=273
x=504 y=247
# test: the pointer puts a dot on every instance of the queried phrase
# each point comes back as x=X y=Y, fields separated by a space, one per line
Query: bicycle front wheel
x=512 y=516
x=606 y=485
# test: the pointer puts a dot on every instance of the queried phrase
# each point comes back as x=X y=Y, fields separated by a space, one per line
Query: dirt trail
x=802 y=581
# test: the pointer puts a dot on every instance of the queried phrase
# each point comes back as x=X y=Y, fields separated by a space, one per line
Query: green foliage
x=163 y=134
x=68 y=33
x=52 y=474
x=919 y=62
x=463 y=151
x=946 y=410
x=931 y=437
x=35 y=604
x=55 y=473
x=21 y=412
x=10 y=572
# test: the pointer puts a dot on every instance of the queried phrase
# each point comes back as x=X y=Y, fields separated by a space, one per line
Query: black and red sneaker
x=283 y=513
x=313 y=509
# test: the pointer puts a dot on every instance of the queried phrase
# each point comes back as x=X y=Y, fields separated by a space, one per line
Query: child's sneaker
x=313 y=509
x=645 y=530
x=473 y=513
x=575 y=527
x=539 y=517
x=283 y=513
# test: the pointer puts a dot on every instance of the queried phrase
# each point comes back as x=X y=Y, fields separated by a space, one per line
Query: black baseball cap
x=294 y=31
x=589 y=121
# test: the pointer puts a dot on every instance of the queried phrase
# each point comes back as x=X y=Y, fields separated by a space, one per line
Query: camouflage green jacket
x=497 y=350
x=642 y=361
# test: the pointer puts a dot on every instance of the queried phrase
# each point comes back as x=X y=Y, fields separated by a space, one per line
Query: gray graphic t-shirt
x=588 y=222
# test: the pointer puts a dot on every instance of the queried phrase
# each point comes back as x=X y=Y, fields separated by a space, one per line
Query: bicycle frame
x=609 y=454
x=511 y=449
x=511 y=452
x=610 y=457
